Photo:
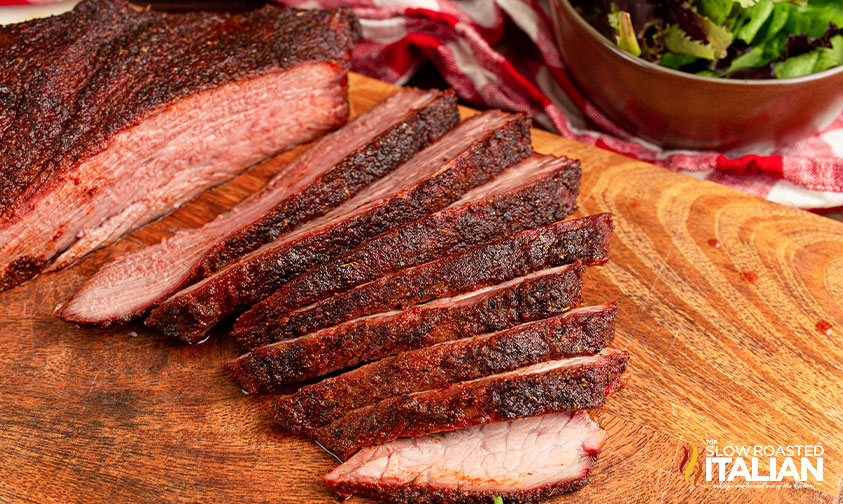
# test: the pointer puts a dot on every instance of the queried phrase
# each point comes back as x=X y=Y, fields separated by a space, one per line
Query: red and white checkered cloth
x=501 y=53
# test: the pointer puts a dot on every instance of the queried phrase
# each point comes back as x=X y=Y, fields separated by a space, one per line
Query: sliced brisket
x=583 y=331
x=475 y=152
x=522 y=461
x=550 y=387
x=536 y=192
x=585 y=240
x=330 y=172
x=113 y=117
x=536 y=296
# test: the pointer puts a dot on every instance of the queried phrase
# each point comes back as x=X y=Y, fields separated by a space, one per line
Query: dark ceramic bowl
x=681 y=110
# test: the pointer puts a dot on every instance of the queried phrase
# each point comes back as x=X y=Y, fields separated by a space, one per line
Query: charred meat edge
x=583 y=331
x=536 y=296
x=585 y=240
x=550 y=387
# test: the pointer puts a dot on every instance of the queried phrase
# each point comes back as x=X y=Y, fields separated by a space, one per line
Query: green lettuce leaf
x=775 y=23
x=625 y=37
x=716 y=10
x=797 y=65
x=752 y=19
x=676 y=41
x=676 y=61
x=815 y=61
x=814 y=18
x=718 y=40
x=718 y=36
x=830 y=57
x=753 y=58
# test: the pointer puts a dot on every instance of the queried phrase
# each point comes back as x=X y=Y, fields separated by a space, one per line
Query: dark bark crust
x=22 y=269
x=190 y=314
x=585 y=240
x=267 y=368
x=73 y=81
x=445 y=232
x=359 y=169
x=319 y=404
x=472 y=403
x=417 y=494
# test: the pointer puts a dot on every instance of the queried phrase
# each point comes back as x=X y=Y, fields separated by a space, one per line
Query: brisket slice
x=403 y=129
x=331 y=171
x=473 y=153
x=538 y=191
x=583 y=331
x=126 y=115
x=538 y=295
x=522 y=461
x=585 y=240
x=550 y=387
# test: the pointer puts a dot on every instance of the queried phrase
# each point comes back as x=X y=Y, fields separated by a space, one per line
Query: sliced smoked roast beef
x=536 y=296
x=522 y=461
x=473 y=153
x=583 y=331
x=537 y=191
x=327 y=174
x=550 y=387
x=585 y=239
x=111 y=118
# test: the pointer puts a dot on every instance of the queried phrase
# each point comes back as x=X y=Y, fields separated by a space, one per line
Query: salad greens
x=741 y=39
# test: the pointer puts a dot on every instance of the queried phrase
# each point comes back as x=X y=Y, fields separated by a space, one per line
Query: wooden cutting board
x=724 y=299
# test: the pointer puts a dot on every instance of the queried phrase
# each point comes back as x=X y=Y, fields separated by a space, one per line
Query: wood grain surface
x=720 y=298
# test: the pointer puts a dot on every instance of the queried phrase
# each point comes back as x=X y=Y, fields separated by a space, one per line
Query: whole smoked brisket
x=111 y=118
